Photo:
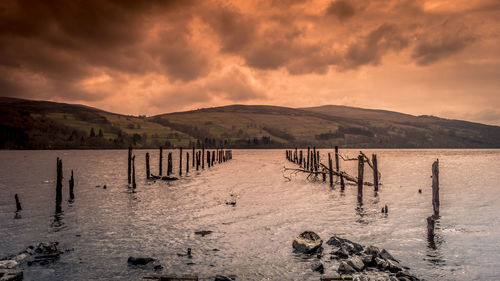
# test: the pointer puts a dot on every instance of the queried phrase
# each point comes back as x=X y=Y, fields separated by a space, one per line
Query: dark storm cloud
x=341 y=9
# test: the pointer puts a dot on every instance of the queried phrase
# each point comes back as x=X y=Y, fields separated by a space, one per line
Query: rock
x=394 y=266
x=345 y=268
x=360 y=278
x=356 y=262
x=139 y=260
x=381 y=264
x=332 y=277
x=46 y=248
x=351 y=247
x=203 y=233
x=8 y=264
x=368 y=260
x=223 y=278
x=386 y=256
x=346 y=276
x=405 y=276
x=318 y=267
x=11 y=275
x=307 y=242
x=341 y=253
x=373 y=251
x=21 y=257
x=159 y=277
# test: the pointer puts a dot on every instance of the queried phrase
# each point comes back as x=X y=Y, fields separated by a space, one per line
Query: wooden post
x=148 y=173
x=169 y=164
x=315 y=168
x=18 y=204
x=308 y=157
x=317 y=161
x=435 y=187
x=203 y=157
x=187 y=162
x=213 y=157
x=129 y=164
x=197 y=160
x=193 y=156
x=330 y=169
x=59 y=186
x=337 y=168
x=296 y=157
x=375 y=172
x=133 y=172
x=430 y=228
x=300 y=158
x=180 y=161
x=342 y=184
x=160 y=167
x=208 y=159
x=71 y=186
x=361 y=166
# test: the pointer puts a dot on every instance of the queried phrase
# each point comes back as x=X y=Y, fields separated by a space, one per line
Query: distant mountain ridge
x=28 y=124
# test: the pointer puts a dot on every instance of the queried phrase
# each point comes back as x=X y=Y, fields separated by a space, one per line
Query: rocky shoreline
x=348 y=260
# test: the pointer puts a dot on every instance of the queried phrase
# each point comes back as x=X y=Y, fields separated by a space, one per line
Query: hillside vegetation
x=47 y=125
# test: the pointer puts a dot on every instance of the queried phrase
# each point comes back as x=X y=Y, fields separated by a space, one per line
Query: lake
x=253 y=239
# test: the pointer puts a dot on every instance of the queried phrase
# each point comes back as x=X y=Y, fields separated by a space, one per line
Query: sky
x=149 y=57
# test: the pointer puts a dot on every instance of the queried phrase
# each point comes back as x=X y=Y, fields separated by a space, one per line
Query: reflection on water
x=253 y=237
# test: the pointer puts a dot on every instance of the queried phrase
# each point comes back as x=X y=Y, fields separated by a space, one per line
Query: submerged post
x=208 y=159
x=71 y=186
x=342 y=184
x=213 y=157
x=330 y=169
x=435 y=187
x=148 y=173
x=375 y=172
x=315 y=163
x=187 y=162
x=129 y=164
x=308 y=158
x=197 y=160
x=430 y=228
x=18 y=204
x=161 y=162
x=133 y=172
x=169 y=164
x=193 y=154
x=180 y=161
x=59 y=185
x=203 y=157
x=361 y=166
x=337 y=168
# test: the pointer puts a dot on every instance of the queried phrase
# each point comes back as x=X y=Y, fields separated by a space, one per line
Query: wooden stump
x=375 y=172
x=160 y=167
x=18 y=204
x=435 y=187
x=330 y=169
x=59 y=185
x=169 y=164
x=71 y=186
x=187 y=162
x=129 y=164
x=337 y=167
x=208 y=159
x=430 y=228
x=361 y=165
x=133 y=173
x=342 y=184
x=193 y=156
x=180 y=161
x=308 y=157
x=148 y=172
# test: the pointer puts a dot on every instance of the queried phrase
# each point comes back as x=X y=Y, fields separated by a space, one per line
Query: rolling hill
x=27 y=124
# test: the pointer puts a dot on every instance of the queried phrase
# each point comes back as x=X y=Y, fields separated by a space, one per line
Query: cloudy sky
x=147 y=57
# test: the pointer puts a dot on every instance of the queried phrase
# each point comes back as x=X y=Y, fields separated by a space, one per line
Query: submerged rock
x=8 y=264
x=140 y=260
x=203 y=233
x=307 y=242
x=345 y=268
x=318 y=266
x=11 y=275
x=224 y=278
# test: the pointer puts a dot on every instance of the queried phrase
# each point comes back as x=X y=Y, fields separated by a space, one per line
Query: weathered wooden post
x=315 y=168
x=430 y=228
x=208 y=159
x=193 y=156
x=375 y=172
x=317 y=161
x=71 y=186
x=203 y=157
x=296 y=158
x=169 y=164
x=435 y=187
x=197 y=160
x=148 y=173
x=213 y=157
x=129 y=164
x=342 y=184
x=308 y=157
x=161 y=162
x=337 y=168
x=133 y=172
x=361 y=166
x=187 y=162
x=330 y=169
x=18 y=204
x=180 y=161
x=59 y=185
x=300 y=158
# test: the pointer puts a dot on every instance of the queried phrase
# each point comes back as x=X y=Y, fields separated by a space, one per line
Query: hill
x=27 y=124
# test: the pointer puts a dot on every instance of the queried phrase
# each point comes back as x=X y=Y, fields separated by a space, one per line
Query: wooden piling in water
x=296 y=157
x=148 y=172
x=59 y=185
x=18 y=203
x=375 y=172
x=129 y=164
x=180 y=161
x=169 y=164
x=187 y=163
x=330 y=169
x=133 y=173
x=160 y=164
x=197 y=160
x=193 y=154
x=300 y=158
x=361 y=166
x=337 y=168
x=213 y=157
x=315 y=163
x=435 y=187
x=430 y=228
x=71 y=186
x=342 y=184
x=208 y=159
x=203 y=157
x=308 y=157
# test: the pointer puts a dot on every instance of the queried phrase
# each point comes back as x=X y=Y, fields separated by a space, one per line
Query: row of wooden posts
x=312 y=164
x=198 y=157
